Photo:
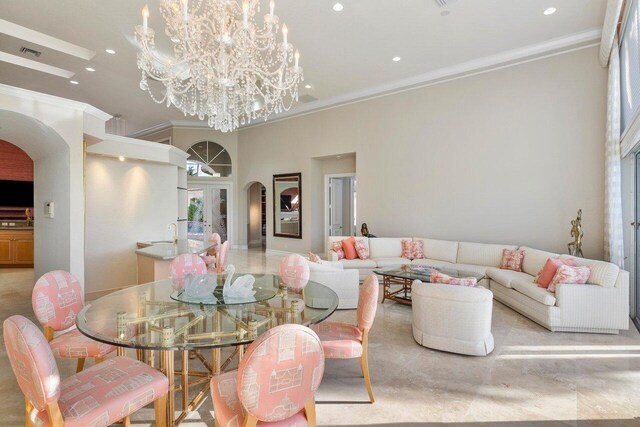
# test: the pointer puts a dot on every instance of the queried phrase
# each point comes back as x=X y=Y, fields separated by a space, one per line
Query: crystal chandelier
x=225 y=67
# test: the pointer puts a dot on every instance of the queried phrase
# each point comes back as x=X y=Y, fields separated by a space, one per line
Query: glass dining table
x=157 y=322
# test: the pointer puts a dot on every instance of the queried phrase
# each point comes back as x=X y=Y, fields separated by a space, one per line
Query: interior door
x=336 y=227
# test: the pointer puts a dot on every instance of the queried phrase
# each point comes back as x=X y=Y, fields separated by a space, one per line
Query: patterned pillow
x=512 y=259
x=314 y=258
x=361 y=248
x=407 y=251
x=545 y=275
x=437 y=277
x=417 y=249
x=337 y=248
x=568 y=274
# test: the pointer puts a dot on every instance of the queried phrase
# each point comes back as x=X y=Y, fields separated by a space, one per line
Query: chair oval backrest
x=32 y=361
x=223 y=256
x=185 y=264
x=368 y=302
x=216 y=240
x=57 y=298
x=280 y=372
x=294 y=271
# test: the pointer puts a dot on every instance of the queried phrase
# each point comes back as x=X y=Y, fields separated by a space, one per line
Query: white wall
x=508 y=156
x=125 y=202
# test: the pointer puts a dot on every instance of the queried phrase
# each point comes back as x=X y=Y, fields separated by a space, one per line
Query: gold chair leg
x=99 y=360
x=80 y=365
x=28 y=407
x=55 y=416
x=310 y=411
x=126 y=421
x=160 y=409
x=364 y=365
x=250 y=421
x=216 y=423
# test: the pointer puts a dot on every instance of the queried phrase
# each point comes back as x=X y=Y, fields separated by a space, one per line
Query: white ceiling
x=343 y=54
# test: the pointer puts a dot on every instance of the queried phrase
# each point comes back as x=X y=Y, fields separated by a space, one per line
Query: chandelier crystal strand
x=224 y=67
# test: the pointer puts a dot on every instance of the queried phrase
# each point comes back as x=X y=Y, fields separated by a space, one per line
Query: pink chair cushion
x=368 y=302
x=106 y=393
x=185 y=264
x=229 y=411
x=209 y=260
x=294 y=271
x=280 y=372
x=74 y=344
x=339 y=340
x=57 y=298
x=32 y=361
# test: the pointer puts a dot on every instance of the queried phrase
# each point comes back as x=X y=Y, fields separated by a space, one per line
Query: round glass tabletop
x=148 y=317
x=207 y=289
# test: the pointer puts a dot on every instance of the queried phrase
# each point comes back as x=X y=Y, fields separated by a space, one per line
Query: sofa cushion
x=534 y=260
x=532 y=290
x=384 y=247
x=602 y=273
x=430 y=262
x=441 y=250
x=358 y=263
x=391 y=261
x=481 y=253
x=324 y=265
x=505 y=277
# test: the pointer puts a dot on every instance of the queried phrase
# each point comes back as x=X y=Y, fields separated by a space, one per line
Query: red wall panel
x=15 y=164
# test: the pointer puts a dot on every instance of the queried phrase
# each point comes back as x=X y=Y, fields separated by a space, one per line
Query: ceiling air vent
x=30 y=51
x=306 y=98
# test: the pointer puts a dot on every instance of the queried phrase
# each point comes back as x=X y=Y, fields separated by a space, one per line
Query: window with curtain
x=630 y=67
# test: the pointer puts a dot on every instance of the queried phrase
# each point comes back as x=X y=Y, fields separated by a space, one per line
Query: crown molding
x=53 y=100
x=486 y=64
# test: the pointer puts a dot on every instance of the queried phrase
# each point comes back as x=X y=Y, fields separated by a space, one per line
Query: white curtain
x=613 y=248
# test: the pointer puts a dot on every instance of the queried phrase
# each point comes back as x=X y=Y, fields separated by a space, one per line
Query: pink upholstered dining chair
x=275 y=382
x=57 y=298
x=223 y=257
x=212 y=254
x=185 y=264
x=100 y=395
x=346 y=341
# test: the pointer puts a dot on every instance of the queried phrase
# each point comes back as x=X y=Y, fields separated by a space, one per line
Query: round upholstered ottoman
x=452 y=318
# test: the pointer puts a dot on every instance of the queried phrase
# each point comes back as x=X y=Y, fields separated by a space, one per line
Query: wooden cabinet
x=16 y=248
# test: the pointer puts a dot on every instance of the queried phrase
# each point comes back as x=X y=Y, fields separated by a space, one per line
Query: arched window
x=208 y=159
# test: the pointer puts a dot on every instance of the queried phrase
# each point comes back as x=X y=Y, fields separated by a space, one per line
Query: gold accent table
x=148 y=319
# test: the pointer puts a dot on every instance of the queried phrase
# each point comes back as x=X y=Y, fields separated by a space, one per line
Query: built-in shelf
x=13 y=212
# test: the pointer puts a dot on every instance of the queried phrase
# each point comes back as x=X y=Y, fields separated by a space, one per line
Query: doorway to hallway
x=257 y=216
x=340 y=205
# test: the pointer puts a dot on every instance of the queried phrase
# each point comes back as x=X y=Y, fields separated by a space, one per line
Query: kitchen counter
x=154 y=259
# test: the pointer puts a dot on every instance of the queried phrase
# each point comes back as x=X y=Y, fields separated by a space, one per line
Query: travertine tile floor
x=533 y=377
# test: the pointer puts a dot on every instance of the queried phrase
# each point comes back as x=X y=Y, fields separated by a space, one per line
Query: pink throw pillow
x=362 y=250
x=437 y=277
x=512 y=259
x=337 y=248
x=545 y=275
x=407 y=251
x=349 y=248
x=417 y=249
x=568 y=274
x=314 y=258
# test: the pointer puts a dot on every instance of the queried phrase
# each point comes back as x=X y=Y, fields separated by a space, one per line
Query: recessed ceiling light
x=550 y=11
x=90 y=69
x=121 y=158
x=338 y=7
x=73 y=82
x=110 y=51
x=396 y=58
x=307 y=86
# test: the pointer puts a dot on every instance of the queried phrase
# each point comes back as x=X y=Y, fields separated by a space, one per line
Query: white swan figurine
x=242 y=287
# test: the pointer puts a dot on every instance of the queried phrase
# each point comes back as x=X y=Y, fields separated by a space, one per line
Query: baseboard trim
x=240 y=247
x=279 y=252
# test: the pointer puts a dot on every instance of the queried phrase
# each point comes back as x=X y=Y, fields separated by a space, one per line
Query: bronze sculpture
x=575 y=247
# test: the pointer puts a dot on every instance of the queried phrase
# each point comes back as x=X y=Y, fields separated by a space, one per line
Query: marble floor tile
x=533 y=377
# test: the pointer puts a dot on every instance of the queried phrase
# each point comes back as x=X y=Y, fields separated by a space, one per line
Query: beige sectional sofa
x=600 y=306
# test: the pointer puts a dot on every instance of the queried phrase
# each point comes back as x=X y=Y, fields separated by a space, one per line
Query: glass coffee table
x=405 y=275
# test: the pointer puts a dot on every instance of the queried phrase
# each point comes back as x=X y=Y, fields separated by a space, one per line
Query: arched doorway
x=56 y=246
x=257 y=216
